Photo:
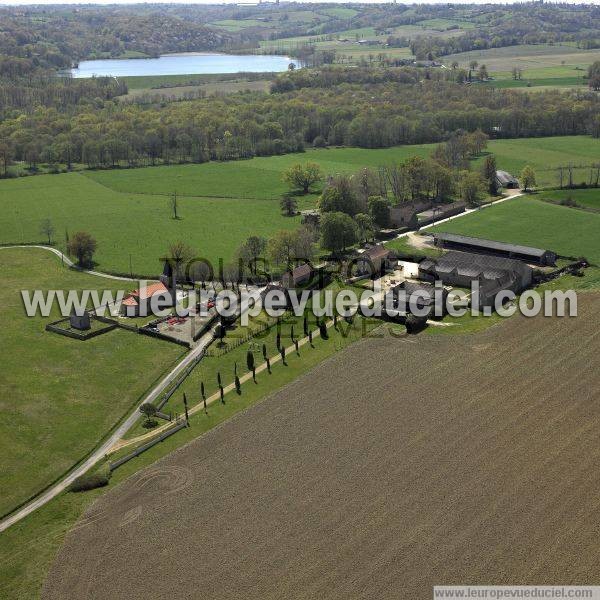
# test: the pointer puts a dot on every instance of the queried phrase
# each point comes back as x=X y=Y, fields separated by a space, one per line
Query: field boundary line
x=167 y=194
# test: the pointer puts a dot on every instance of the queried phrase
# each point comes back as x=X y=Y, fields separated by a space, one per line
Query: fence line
x=121 y=461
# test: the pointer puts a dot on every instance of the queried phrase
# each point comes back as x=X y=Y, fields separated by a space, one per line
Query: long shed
x=453 y=241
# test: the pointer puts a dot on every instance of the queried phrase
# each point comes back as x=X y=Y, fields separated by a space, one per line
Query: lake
x=183 y=64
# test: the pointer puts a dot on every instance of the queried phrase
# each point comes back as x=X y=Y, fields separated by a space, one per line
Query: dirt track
x=395 y=466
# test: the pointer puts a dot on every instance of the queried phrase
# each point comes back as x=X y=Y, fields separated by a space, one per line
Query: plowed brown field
x=397 y=465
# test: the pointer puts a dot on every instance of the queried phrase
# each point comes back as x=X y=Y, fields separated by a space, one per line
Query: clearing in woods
x=386 y=481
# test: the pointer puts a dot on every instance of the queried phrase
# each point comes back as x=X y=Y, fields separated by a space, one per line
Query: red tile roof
x=144 y=293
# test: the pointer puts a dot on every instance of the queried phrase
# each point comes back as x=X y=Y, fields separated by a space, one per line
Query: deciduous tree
x=338 y=231
x=303 y=176
x=47 y=229
x=528 y=178
x=82 y=245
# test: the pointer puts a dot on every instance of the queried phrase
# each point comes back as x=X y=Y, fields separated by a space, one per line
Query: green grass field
x=237 y=24
x=60 y=396
x=339 y=13
x=527 y=57
x=165 y=82
x=546 y=82
x=127 y=224
x=544 y=155
x=349 y=51
x=127 y=210
x=445 y=23
x=216 y=87
x=528 y=221
x=254 y=178
x=589 y=198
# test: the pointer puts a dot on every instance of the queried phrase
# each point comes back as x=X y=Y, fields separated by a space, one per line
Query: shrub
x=319 y=142
x=89 y=481
x=415 y=324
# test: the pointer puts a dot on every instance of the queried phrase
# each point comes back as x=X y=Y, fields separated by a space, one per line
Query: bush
x=319 y=142
x=415 y=324
x=89 y=481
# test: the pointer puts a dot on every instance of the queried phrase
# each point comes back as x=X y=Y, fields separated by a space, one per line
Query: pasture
x=220 y=204
x=133 y=230
x=545 y=155
x=165 y=82
x=444 y=24
x=60 y=396
x=237 y=24
x=261 y=177
x=526 y=57
x=505 y=463
x=531 y=222
x=339 y=12
x=182 y=92
x=589 y=198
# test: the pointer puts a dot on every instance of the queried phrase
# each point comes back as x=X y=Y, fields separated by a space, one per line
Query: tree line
x=102 y=133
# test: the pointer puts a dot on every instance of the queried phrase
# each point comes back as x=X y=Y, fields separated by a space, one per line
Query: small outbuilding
x=80 y=321
x=406 y=214
x=374 y=260
x=297 y=277
x=506 y=180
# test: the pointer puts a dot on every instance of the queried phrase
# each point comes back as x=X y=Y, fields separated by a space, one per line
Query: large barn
x=493 y=273
x=422 y=295
x=453 y=241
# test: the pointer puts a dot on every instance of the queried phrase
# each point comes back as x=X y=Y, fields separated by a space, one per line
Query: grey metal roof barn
x=479 y=245
x=506 y=180
x=494 y=273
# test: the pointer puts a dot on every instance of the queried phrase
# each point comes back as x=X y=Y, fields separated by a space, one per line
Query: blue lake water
x=183 y=64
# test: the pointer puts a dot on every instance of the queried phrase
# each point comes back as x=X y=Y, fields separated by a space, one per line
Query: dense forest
x=106 y=133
